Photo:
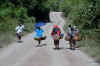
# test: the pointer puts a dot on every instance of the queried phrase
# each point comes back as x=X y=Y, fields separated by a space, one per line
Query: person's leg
x=39 y=42
x=20 y=36
x=57 y=44
x=73 y=44
x=70 y=43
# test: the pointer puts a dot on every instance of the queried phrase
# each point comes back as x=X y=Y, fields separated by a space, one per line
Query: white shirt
x=69 y=30
x=19 y=29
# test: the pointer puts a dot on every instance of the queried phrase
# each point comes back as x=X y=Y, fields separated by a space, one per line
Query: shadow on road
x=41 y=45
x=20 y=41
x=61 y=48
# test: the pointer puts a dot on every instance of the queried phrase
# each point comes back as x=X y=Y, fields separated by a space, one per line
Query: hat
x=55 y=26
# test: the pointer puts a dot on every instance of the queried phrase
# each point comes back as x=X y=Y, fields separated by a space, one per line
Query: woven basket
x=77 y=38
x=67 y=38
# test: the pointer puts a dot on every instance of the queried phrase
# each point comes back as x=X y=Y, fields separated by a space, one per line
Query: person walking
x=38 y=35
x=56 y=32
x=70 y=37
x=19 y=30
x=76 y=35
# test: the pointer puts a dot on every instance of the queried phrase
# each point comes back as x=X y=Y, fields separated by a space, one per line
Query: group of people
x=72 y=35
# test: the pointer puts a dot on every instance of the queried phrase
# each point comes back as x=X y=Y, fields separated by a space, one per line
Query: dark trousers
x=18 y=36
x=56 y=43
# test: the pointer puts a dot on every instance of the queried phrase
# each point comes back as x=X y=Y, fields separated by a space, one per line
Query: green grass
x=5 y=39
x=91 y=47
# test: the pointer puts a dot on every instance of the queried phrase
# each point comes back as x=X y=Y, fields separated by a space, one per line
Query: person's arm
x=16 y=29
x=32 y=31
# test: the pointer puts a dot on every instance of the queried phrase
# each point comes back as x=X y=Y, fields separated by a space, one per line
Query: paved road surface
x=27 y=54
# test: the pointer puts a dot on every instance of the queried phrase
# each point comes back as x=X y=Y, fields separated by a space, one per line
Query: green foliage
x=52 y=4
x=21 y=13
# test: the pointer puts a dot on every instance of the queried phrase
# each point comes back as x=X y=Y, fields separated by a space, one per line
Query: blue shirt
x=39 y=33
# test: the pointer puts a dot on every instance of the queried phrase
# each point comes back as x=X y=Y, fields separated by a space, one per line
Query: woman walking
x=56 y=32
x=38 y=35
x=72 y=36
x=19 y=30
x=76 y=35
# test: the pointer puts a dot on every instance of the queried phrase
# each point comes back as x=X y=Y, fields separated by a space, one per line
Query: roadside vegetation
x=86 y=15
x=13 y=12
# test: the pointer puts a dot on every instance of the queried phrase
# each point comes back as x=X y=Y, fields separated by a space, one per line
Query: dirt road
x=27 y=54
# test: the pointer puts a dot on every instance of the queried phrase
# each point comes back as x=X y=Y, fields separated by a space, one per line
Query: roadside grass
x=5 y=39
x=91 y=47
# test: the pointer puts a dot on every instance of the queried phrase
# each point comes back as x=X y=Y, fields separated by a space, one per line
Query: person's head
x=69 y=26
x=75 y=27
x=55 y=26
x=19 y=24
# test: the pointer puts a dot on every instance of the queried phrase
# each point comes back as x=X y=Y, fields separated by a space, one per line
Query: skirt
x=40 y=38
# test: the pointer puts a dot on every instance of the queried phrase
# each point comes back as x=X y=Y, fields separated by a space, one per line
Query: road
x=27 y=54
